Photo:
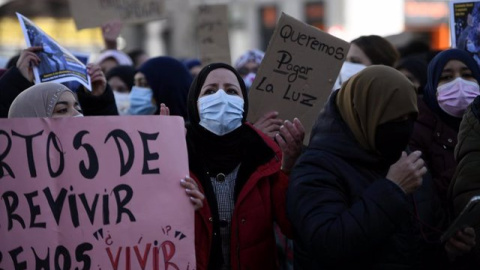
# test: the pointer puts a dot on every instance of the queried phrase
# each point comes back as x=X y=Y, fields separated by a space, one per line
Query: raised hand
x=290 y=140
x=269 y=124
x=110 y=32
x=97 y=78
x=28 y=58
x=408 y=171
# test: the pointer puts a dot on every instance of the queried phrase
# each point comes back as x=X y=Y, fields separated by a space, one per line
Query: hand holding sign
x=98 y=79
x=269 y=124
x=110 y=32
x=290 y=140
x=27 y=60
x=191 y=187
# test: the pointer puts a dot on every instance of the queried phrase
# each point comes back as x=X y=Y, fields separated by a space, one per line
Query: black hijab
x=210 y=154
x=435 y=68
x=125 y=73
x=217 y=154
x=169 y=80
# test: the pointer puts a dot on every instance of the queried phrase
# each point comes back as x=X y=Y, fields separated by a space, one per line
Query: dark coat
x=347 y=215
x=466 y=180
x=437 y=141
x=260 y=202
x=12 y=83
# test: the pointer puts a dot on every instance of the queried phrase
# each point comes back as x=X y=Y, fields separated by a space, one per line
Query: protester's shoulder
x=318 y=161
x=475 y=108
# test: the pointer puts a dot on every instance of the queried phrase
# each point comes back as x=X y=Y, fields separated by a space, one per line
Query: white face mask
x=78 y=115
x=123 y=102
x=220 y=113
x=348 y=70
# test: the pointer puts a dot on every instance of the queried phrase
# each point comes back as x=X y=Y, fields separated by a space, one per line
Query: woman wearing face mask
x=452 y=84
x=241 y=171
x=160 y=80
x=366 y=51
x=353 y=193
x=120 y=78
x=48 y=99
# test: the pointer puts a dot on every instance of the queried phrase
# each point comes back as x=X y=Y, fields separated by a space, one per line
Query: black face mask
x=392 y=138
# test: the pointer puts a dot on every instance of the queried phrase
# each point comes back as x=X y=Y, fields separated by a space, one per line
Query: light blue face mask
x=220 y=113
x=141 y=101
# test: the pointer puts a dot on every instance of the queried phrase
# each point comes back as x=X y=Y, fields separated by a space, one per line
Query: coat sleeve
x=97 y=105
x=12 y=83
x=328 y=217
x=466 y=182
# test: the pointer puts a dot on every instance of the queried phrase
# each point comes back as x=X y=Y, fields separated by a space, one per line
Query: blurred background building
x=251 y=24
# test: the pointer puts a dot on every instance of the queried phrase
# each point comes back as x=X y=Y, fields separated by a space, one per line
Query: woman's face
x=455 y=69
x=221 y=79
x=411 y=77
x=140 y=80
x=118 y=85
x=108 y=64
x=357 y=56
x=66 y=106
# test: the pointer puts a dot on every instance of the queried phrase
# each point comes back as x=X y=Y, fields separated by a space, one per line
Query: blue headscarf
x=170 y=81
x=434 y=72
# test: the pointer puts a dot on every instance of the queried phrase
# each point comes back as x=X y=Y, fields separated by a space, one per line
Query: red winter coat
x=261 y=201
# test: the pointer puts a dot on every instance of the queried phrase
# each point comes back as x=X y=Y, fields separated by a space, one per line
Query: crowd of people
x=391 y=162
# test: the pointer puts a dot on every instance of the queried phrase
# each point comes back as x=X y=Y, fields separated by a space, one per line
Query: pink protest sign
x=95 y=193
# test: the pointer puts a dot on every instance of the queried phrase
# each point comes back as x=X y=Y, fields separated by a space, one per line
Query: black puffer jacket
x=347 y=215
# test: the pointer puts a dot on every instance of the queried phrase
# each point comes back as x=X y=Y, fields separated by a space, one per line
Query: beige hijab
x=37 y=101
x=374 y=96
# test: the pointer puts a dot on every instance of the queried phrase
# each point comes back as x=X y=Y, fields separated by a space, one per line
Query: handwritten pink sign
x=95 y=193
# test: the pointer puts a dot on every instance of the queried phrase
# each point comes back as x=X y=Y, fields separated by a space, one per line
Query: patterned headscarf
x=249 y=56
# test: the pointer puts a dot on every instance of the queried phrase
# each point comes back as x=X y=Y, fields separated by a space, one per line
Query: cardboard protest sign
x=464 y=22
x=94 y=13
x=297 y=73
x=212 y=30
x=57 y=64
x=95 y=193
